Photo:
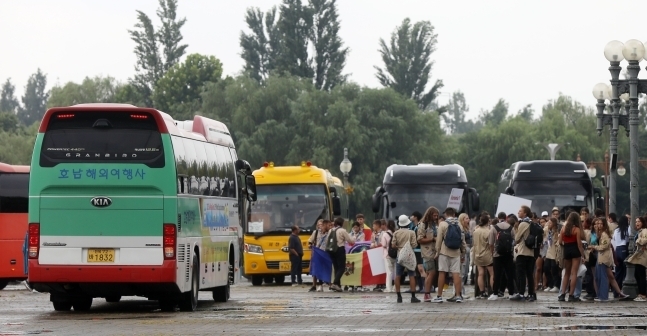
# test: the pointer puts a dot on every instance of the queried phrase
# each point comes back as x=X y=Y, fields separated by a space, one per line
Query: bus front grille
x=275 y=264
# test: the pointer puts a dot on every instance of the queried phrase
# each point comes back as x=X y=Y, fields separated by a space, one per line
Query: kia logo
x=101 y=202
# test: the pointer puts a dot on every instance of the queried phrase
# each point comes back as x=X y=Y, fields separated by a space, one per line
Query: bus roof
x=7 y=168
x=292 y=174
x=425 y=173
x=550 y=169
x=200 y=128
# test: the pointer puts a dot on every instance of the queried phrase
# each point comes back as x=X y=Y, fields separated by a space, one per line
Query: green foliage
x=261 y=47
x=8 y=121
x=8 y=100
x=16 y=146
x=456 y=114
x=407 y=62
x=34 y=100
x=294 y=27
x=91 y=90
x=151 y=66
x=497 y=115
x=182 y=84
x=330 y=55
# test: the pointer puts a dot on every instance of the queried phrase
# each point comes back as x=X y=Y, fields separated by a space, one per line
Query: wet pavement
x=286 y=310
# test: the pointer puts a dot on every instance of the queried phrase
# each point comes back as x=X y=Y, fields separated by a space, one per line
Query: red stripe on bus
x=165 y=273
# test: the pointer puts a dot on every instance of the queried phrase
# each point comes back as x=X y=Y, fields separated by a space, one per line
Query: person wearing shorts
x=427 y=233
x=449 y=260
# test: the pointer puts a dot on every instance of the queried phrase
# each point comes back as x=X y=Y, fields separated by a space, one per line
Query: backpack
x=392 y=251
x=536 y=236
x=331 y=246
x=453 y=237
x=504 y=241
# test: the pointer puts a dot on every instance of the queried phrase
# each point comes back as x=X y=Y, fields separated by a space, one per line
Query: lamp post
x=345 y=166
x=552 y=149
x=615 y=52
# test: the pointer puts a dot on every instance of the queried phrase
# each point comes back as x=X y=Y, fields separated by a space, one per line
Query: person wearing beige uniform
x=483 y=258
x=427 y=232
x=525 y=261
x=639 y=258
x=400 y=238
x=449 y=260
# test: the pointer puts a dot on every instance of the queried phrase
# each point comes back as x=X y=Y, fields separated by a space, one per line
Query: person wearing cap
x=555 y=213
x=544 y=214
x=400 y=239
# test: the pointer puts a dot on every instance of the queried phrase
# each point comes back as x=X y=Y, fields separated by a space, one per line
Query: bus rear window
x=14 y=192
x=102 y=137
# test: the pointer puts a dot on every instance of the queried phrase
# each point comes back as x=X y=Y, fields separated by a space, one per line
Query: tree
x=183 y=83
x=91 y=90
x=8 y=121
x=407 y=63
x=330 y=55
x=34 y=100
x=260 y=48
x=294 y=27
x=8 y=100
x=455 y=118
x=151 y=66
x=526 y=112
x=497 y=115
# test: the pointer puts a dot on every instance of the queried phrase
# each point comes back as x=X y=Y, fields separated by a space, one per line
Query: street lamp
x=345 y=166
x=615 y=52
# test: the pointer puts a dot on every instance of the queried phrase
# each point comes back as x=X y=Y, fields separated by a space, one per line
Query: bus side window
x=212 y=169
x=222 y=170
x=180 y=164
x=191 y=159
x=201 y=158
x=231 y=173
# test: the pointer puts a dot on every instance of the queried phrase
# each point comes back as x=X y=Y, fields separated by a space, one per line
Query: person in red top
x=571 y=237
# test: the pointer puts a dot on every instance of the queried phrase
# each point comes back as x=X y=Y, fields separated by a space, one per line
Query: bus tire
x=83 y=304
x=3 y=284
x=167 y=305
x=113 y=298
x=279 y=279
x=257 y=280
x=189 y=301
x=62 y=306
x=268 y=279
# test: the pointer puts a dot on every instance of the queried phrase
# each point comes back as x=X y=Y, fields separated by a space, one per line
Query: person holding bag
x=405 y=240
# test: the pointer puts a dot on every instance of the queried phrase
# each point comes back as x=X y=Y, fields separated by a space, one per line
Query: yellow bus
x=286 y=196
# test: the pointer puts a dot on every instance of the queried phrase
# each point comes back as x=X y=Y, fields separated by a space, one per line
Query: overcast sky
x=526 y=52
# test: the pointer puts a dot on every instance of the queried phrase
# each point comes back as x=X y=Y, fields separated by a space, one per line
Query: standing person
x=571 y=237
x=603 y=275
x=415 y=220
x=501 y=241
x=296 y=255
x=400 y=239
x=385 y=241
x=450 y=252
x=318 y=239
x=551 y=268
x=312 y=243
x=555 y=214
x=584 y=214
x=357 y=232
x=613 y=222
x=337 y=240
x=426 y=239
x=525 y=262
x=376 y=242
x=483 y=258
x=540 y=277
x=639 y=258
x=464 y=220
x=619 y=243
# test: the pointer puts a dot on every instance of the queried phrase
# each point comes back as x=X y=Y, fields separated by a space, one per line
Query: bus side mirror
x=250 y=183
x=509 y=191
x=336 y=206
x=475 y=199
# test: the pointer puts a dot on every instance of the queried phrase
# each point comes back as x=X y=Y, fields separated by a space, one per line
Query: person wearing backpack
x=501 y=241
x=527 y=241
x=450 y=253
x=389 y=261
x=337 y=240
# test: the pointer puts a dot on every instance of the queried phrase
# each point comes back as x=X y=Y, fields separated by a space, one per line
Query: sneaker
x=554 y=290
x=561 y=298
x=399 y=299
x=452 y=299
x=415 y=300
x=516 y=297
x=532 y=297
x=437 y=299
x=589 y=297
x=548 y=289
x=320 y=288
x=335 y=288
x=640 y=299
x=294 y=285
x=622 y=296
x=574 y=299
x=313 y=289
x=427 y=298
x=600 y=300
x=493 y=297
x=500 y=295
x=459 y=299
x=484 y=296
x=345 y=288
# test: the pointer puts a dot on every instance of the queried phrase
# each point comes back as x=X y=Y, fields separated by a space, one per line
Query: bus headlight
x=250 y=248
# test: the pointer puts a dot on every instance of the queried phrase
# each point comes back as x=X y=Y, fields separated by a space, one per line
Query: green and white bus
x=126 y=201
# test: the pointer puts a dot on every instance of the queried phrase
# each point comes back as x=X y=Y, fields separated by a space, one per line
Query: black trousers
x=295 y=269
x=553 y=273
x=339 y=263
x=525 y=269
x=504 y=274
x=640 y=279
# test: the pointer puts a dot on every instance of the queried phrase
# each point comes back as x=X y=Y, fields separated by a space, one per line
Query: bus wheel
x=113 y=298
x=257 y=280
x=167 y=305
x=268 y=279
x=189 y=301
x=62 y=306
x=3 y=284
x=280 y=279
x=82 y=304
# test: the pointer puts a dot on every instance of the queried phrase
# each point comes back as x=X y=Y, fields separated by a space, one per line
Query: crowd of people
x=577 y=256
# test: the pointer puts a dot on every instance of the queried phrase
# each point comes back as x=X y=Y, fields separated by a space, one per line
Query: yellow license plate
x=285 y=266
x=101 y=255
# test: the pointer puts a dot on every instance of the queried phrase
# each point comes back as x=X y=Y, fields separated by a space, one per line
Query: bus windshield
x=545 y=195
x=14 y=192
x=279 y=207
x=409 y=198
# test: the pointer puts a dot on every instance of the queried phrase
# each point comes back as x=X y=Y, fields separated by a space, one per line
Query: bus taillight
x=170 y=237
x=34 y=240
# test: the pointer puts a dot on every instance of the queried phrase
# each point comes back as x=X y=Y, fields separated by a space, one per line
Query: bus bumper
x=255 y=264
x=102 y=274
